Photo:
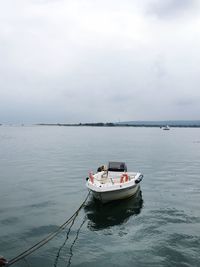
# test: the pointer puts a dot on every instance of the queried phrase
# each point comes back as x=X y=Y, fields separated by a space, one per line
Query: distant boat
x=113 y=182
x=166 y=127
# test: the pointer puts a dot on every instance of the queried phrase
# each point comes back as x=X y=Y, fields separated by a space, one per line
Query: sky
x=71 y=61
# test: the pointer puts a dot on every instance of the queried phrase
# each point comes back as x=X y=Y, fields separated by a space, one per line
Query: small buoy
x=91 y=176
x=139 y=179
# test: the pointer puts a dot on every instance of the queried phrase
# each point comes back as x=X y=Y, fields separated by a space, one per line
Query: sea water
x=42 y=183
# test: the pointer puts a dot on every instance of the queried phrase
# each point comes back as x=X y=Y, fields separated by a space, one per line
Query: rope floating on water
x=66 y=238
x=73 y=243
x=47 y=238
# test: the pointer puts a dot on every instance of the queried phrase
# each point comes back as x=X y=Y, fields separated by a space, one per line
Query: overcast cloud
x=91 y=60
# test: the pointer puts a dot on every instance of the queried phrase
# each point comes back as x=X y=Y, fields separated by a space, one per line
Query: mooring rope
x=47 y=238
x=73 y=243
x=62 y=246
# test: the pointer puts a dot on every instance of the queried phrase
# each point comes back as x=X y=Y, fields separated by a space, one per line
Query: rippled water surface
x=42 y=182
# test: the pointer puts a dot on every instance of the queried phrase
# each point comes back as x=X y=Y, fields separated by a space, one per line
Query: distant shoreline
x=118 y=125
x=150 y=124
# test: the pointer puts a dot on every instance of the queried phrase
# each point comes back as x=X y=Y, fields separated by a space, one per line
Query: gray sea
x=42 y=183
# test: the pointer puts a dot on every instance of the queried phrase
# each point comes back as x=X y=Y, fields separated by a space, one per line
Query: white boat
x=113 y=182
x=166 y=127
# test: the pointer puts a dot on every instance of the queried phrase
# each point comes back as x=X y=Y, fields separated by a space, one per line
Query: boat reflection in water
x=114 y=213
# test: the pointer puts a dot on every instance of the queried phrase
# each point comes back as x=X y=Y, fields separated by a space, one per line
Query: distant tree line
x=111 y=124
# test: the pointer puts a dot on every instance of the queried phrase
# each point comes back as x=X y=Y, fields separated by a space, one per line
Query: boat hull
x=108 y=196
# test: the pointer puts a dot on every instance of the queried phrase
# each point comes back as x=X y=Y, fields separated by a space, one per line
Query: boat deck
x=111 y=178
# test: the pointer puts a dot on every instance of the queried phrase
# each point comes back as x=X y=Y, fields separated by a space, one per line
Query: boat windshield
x=117 y=167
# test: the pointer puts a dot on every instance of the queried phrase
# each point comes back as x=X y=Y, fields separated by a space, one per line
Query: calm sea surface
x=42 y=183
